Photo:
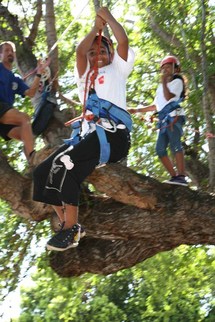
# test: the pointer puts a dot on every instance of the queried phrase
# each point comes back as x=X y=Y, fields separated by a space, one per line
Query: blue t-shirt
x=10 y=85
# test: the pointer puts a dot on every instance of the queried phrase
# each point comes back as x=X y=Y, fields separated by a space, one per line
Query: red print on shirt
x=101 y=79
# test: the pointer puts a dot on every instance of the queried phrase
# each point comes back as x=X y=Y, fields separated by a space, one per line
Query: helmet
x=169 y=60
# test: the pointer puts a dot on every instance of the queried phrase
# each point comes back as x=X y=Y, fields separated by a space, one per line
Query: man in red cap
x=169 y=93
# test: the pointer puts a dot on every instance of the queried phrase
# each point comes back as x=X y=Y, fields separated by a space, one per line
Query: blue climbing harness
x=164 y=118
x=100 y=109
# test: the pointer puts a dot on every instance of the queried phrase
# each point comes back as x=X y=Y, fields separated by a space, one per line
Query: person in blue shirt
x=13 y=123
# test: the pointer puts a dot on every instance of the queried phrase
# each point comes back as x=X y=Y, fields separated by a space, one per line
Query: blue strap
x=168 y=108
x=103 y=108
x=75 y=135
x=40 y=105
x=104 y=145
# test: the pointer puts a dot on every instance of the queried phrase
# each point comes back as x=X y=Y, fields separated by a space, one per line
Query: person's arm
x=118 y=31
x=167 y=94
x=144 y=109
x=103 y=16
x=85 y=45
x=31 y=91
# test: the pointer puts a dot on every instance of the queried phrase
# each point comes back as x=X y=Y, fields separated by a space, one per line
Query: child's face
x=103 y=57
x=168 y=69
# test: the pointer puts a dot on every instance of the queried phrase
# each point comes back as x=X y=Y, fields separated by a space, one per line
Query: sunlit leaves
x=171 y=286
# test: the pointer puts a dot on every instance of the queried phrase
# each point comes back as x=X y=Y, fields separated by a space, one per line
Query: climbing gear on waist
x=104 y=113
x=106 y=109
x=168 y=108
x=165 y=120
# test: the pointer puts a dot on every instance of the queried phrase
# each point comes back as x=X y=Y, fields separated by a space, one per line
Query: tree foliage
x=182 y=289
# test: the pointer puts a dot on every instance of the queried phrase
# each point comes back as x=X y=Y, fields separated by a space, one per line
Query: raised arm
x=40 y=69
x=102 y=18
x=118 y=31
x=85 y=45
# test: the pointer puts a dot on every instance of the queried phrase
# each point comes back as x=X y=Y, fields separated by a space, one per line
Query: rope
x=94 y=69
x=94 y=73
x=66 y=30
x=59 y=39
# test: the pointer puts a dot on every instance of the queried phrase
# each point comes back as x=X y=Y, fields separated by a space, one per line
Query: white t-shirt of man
x=110 y=83
x=175 y=87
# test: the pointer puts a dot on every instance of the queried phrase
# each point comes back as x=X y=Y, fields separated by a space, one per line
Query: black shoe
x=177 y=180
x=61 y=226
x=66 y=239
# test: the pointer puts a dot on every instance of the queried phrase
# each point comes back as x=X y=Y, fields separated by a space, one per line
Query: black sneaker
x=177 y=180
x=62 y=224
x=66 y=239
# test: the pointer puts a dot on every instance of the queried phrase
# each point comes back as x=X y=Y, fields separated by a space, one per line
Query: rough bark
x=132 y=218
x=122 y=234
x=206 y=104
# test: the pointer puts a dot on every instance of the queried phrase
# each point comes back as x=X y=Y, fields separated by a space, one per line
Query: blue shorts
x=170 y=137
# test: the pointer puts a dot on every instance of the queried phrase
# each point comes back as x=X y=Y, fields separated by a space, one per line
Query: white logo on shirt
x=14 y=86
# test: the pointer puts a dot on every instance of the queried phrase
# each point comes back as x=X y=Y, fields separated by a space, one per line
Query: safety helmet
x=169 y=60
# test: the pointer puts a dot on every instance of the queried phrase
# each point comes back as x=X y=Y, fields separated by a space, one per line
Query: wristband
x=38 y=75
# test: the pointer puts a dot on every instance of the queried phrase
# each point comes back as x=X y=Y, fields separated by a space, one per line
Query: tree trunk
x=125 y=232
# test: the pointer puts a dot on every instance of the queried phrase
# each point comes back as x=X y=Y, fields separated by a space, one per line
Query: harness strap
x=168 y=108
x=103 y=108
x=100 y=109
x=165 y=120
x=104 y=146
x=75 y=135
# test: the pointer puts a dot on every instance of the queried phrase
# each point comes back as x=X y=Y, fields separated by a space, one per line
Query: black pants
x=58 y=178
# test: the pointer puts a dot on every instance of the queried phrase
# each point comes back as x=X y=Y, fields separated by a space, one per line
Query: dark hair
x=107 y=42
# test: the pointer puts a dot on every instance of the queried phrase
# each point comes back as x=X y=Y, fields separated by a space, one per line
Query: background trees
x=127 y=205
x=182 y=289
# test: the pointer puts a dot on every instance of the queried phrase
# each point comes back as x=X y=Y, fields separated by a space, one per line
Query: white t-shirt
x=175 y=87
x=110 y=83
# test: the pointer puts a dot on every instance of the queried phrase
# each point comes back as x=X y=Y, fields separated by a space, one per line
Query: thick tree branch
x=109 y=180
x=120 y=236
x=33 y=33
x=16 y=190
